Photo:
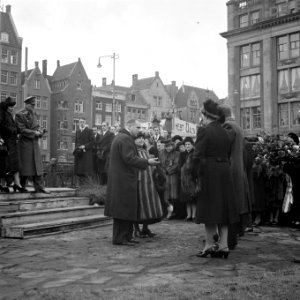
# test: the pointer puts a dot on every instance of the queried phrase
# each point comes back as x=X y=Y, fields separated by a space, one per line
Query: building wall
x=266 y=31
x=36 y=85
x=63 y=110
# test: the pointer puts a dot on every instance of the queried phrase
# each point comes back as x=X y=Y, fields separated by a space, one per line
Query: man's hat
x=30 y=100
x=168 y=142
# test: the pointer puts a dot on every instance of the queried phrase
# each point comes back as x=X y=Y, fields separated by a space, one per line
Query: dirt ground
x=85 y=265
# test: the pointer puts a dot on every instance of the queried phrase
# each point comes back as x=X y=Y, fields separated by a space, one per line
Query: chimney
x=156 y=74
x=36 y=64
x=134 y=78
x=58 y=63
x=173 y=83
x=26 y=61
x=104 y=81
x=8 y=9
x=44 y=67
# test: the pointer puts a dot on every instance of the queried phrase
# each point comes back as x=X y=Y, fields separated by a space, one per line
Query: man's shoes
x=42 y=191
x=124 y=244
x=133 y=241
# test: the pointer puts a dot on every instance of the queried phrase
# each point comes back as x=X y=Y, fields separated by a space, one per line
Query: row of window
x=9 y=56
x=107 y=107
x=288 y=47
x=289 y=115
x=133 y=113
x=9 y=77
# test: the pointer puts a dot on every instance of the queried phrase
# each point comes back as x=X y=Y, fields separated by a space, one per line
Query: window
x=254 y=17
x=3 y=96
x=255 y=54
x=288 y=46
x=62 y=123
x=245 y=56
x=108 y=119
x=4 y=56
x=295 y=45
x=98 y=105
x=13 y=57
x=79 y=85
x=256 y=117
x=4 y=37
x=45 y=122
x=38 y=117
x=157 y=101
x=75 y=124
x=243 y=4
x=98 y=119
x=250 y=87
x=37 y=84
x=283 y=115
x=108 y=107
x=132 y=97
x=289 y=80
x=119 y=108
x=38 y=102
x=295 y=113
x=62 y=145
x=245 y=117
x=4 y=76
x=13 y=78
x=244 y=20
x=78 y=106
x=45 y=103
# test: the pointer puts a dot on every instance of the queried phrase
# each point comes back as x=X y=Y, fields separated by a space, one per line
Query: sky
x=178 y=38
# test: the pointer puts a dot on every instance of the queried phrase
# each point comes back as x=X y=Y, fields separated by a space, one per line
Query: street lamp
x=114 y=56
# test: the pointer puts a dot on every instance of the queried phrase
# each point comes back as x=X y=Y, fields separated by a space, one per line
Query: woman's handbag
x=3 y=151
x=159 y=178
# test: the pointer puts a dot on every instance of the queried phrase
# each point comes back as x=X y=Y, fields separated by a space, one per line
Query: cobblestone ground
x=87 y=261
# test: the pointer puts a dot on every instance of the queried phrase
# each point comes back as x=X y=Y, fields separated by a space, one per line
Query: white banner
x=184 y=128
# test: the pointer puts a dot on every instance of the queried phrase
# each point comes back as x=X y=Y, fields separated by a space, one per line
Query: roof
x=143 y=84
x=63 y=72
x=7 y=25
x=139 y=99
x=185 y=91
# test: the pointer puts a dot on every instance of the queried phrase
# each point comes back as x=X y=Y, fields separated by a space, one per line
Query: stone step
x=39 y=204
x=55 y=192
x=53 y=227
x=47 y=215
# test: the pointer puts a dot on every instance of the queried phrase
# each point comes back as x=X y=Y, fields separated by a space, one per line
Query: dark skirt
x=216 y=203
x=13 y=165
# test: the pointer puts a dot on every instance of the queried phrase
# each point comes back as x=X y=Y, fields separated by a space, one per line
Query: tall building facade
x=263 y=39
x=11 y=58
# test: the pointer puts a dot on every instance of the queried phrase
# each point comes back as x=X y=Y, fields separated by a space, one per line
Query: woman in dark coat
x=8 y=133
x=215 y=204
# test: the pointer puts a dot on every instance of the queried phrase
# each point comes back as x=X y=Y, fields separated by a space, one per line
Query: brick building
x=11 y=58
x=70 y=101
x=264 y=64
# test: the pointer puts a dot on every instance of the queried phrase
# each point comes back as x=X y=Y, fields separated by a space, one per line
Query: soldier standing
x=30 y=156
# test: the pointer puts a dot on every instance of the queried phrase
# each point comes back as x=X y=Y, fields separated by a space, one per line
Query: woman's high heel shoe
x=19 y=188
x=209 y=251
x=222 y=253
x=4 y=189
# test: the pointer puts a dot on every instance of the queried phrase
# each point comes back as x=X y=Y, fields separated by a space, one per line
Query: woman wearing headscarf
x=215 y=206
x=8 y=133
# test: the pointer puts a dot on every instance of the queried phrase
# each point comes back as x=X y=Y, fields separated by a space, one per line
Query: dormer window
x=4 y=37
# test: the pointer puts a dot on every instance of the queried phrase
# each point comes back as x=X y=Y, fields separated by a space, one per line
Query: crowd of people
x=220 y=178
x=209 y=179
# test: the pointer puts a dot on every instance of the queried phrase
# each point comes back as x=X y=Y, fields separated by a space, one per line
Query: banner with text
x=184 y=128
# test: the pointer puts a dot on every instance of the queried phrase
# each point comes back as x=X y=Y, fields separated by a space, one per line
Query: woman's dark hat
x=30 y=100
x=294 y=137
x=211 y=109
x=188 y=139
x=10 y=102
x=176 y=137
x=140 y=134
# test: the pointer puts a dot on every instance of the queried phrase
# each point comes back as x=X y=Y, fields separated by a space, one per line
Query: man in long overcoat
x=121 y=200
x=84 y=142
x=242 y=199
x=104 y=151
x=30 y=156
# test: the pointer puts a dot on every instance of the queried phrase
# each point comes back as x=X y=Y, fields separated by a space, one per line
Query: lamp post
x=114 y=56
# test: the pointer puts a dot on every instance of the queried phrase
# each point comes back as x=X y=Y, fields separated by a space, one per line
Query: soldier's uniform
x=30 y=156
